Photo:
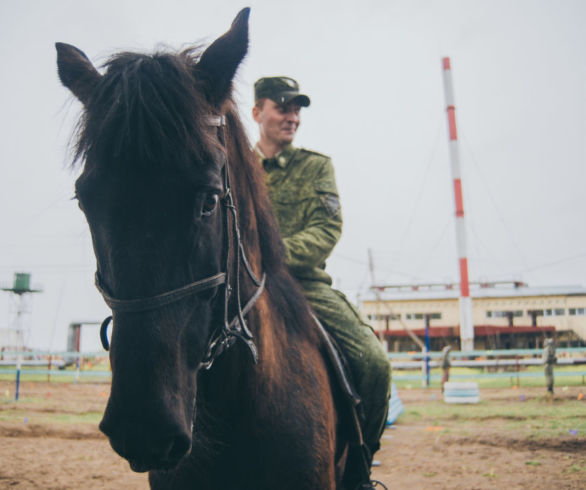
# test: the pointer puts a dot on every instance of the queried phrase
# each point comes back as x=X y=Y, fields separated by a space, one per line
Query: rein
x=226 y=335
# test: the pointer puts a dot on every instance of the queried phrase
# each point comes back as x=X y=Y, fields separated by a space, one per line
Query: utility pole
x=379 y=300
x=466 y=325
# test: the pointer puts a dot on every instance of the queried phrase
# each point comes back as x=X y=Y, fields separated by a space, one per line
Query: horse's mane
x=284 y=291
x=148 y=111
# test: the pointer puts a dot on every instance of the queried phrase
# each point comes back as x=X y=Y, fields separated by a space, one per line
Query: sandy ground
x=488 y=456
x=40 y=447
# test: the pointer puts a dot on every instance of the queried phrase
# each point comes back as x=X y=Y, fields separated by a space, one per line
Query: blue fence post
x=427 y=317
x=17 y=390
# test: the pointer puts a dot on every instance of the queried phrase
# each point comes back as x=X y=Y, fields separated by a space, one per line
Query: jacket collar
x=281 y=159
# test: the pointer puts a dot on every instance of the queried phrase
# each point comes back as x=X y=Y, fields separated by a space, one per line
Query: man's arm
x=311 y=246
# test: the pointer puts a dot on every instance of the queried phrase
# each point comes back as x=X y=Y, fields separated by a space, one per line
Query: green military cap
x=281 y=90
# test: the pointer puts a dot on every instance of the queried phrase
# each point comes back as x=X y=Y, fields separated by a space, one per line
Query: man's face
x=277 y=123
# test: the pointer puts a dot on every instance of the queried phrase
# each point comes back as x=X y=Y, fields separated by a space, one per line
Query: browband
x=216 y=120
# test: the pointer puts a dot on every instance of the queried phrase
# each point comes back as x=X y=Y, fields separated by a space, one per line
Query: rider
x=549 y=359
x=303 y=192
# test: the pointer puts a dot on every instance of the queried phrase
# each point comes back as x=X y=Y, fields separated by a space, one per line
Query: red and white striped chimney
x=466 y=325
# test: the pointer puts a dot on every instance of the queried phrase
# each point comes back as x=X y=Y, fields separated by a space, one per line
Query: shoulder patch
x=331 y=203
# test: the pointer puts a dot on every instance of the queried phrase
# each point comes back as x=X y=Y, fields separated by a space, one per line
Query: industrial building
x=505 y=315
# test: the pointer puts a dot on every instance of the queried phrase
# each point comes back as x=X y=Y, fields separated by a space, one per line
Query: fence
x=34 y=364
x=512 y=364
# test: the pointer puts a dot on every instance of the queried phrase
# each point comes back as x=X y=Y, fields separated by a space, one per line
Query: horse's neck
x=264 y=320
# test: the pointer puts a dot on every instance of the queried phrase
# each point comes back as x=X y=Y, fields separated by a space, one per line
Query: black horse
x=186 y=246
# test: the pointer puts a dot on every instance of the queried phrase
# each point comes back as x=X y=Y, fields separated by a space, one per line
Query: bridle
x=225 y=335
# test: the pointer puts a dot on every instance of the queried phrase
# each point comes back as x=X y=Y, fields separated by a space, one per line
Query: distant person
x=549 y=359
x=303 y=192
x=446 y=364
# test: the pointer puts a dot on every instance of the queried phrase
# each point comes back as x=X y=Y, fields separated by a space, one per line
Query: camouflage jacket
x=302 y=189
x=548 y=355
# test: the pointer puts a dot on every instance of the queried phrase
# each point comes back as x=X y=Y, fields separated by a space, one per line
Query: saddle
x=359 y=457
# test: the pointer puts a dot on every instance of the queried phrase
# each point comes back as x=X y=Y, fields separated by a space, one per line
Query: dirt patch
x=58 y=463
x=50 y=440
x=573 y=446
x=412 y=458
x=43 y=431
x=487 y=456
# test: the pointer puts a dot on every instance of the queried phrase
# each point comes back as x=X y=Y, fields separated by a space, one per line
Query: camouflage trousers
x=549 y=377
x=367 y=360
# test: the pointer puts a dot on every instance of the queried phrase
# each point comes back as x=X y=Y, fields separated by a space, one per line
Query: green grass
x=22 y=417
x=505 y=379
x=67 y=375
x=576 y=468
x=77 y=418
x=42 y=378
x=534 y=417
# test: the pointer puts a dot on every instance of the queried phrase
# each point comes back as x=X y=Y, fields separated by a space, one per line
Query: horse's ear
x=219 y=61
x=76 y=71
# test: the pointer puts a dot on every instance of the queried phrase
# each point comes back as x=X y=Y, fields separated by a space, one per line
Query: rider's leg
x=367 y=360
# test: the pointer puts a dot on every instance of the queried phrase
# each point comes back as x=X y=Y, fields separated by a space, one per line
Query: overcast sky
x=373 y=71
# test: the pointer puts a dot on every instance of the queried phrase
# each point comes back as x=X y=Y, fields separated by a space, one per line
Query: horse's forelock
x=146 y=111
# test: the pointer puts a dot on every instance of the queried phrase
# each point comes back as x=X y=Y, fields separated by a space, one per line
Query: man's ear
x=256 y=113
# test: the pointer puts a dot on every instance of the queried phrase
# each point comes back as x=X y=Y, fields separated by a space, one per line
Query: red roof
x=479 y=331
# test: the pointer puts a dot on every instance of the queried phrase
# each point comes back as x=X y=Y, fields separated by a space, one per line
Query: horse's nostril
x=145 y=449
x=179 y=446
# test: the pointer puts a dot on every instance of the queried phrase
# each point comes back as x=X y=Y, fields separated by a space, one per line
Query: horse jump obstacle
x=457 y=392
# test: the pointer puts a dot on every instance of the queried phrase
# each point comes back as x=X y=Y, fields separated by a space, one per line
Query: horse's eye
x=209 y=204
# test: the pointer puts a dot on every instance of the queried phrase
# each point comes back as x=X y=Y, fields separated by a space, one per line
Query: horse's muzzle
x=160 y=450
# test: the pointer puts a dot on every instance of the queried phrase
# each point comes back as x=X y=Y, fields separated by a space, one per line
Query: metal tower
x=21 y=290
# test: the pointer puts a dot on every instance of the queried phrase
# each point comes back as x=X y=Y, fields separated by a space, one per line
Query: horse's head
x=149 y=188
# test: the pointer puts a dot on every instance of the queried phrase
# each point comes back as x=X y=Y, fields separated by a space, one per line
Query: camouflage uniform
x=549 y=359
x=446 y=364
x=303 y=192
